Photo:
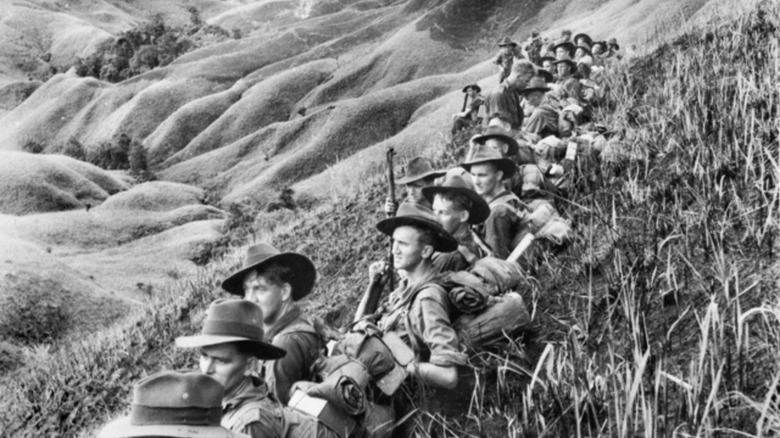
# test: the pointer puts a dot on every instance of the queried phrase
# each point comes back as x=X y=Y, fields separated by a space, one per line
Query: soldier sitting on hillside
x=469 y=116
x=489 y=168
x=419 y=173
x=230 y=343
x=275 y=281
x=506 y=57
x=543 y=120
x=457 y=206
x=534 y=48
x=504 y=98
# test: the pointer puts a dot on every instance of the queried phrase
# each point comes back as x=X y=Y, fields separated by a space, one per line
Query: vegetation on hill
x=151 y=44
x=660 y=318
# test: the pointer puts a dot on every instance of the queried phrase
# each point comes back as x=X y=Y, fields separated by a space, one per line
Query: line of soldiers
x=268 y=370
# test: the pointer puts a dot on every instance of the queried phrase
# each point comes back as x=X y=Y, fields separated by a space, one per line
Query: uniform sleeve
x=302 y=350
x=430 y=319
x=264 y=425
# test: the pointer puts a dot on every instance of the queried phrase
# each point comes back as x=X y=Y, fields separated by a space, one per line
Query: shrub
x=74 y=149
x=10 y=357
x=139 y=166
x=33 y=147
x=33 y=309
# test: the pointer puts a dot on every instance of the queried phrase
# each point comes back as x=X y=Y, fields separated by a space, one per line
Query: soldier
x=171 y=404
x=566 y=48
x=504 y=98
x=230 y=343
x=419 y=308
x=544 y=115
x=276 y=281
x=534 y=49
x=469 y=116
x=457 y=207
x=508 y=214
x=506 y=57
x=419 y=173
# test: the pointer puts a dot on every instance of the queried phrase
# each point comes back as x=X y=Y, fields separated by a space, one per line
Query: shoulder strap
x=413 y=339
x=300 y=325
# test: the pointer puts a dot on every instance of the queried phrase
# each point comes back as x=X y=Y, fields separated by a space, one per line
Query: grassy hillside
x=661 y=318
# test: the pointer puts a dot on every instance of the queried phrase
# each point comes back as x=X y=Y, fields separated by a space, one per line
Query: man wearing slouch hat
x=276 y=281
x=418 y=300
x=230 y=343
x=457 y=206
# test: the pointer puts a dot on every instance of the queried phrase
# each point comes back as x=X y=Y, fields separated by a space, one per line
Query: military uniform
x=296 y=335
x=503 y=226
x=250 y=410
x=467 y=254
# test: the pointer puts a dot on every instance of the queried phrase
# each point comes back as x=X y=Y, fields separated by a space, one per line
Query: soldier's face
x=549 y=66
x=560 y=52
x=486 y=178
x=267 y=295
x=496 y=144
x=535 y=98
x=563 y=69
x=225 y=364
x=449 y=217
x=407 y=249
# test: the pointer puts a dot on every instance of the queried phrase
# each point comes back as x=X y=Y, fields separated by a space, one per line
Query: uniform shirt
x=504 y=99
x=464 y=257
x=476 y=102
x=263 y=419
x=505 y=60
x=502 y=228
x=298 y=338
x=543 y=119
x=428 y=310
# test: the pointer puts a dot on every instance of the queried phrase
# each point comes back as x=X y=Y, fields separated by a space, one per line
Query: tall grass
x=660 y=319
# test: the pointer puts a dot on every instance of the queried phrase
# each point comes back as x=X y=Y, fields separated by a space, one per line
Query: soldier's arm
x=434 y=375
x=282 y=373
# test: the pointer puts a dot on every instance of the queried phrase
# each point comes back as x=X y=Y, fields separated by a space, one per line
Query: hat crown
x=169 y=389
x=417 y=169
x=457 y=182
x=258 y=253
x=411 y=209
x=234 y=317
x=537 y=82
x=482 y=152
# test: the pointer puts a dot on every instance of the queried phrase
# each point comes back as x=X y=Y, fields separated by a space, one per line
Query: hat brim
x=466 y=88
x=443 y=241
x=480 y=210
x=583 y=35
x=531 y=90
x=505 y=44
x=411 y=179
x=122 y=428
x=302 y=282
x=506 y=165
x=263 y=350
x=571 y=62
x=512 y=147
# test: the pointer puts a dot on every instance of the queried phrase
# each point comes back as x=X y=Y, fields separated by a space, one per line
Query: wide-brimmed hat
x=172 y=404
x=546 y=75
x=474 y=86
x=500 y=134
x=568 y=45
x=506 y=42
x=587 y=37
x=483 y=154
x=455 y=185
x=613 y=42
x=568 y=60
x=263 y=254
x=233 y=320
x=417 y=169
x=537 y=83
x=535 y=34
x=415 y=215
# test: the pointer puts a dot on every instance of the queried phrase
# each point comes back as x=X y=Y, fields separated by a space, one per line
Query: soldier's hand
x=377 y=270
x=391 y=206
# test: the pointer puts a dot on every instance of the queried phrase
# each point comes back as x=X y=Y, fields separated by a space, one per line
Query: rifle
x=370 y=301
x=465 y=100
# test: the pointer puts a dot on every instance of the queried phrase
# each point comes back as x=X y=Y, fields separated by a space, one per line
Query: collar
x=251 y=388
x=404 y=291
x=288 y=318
